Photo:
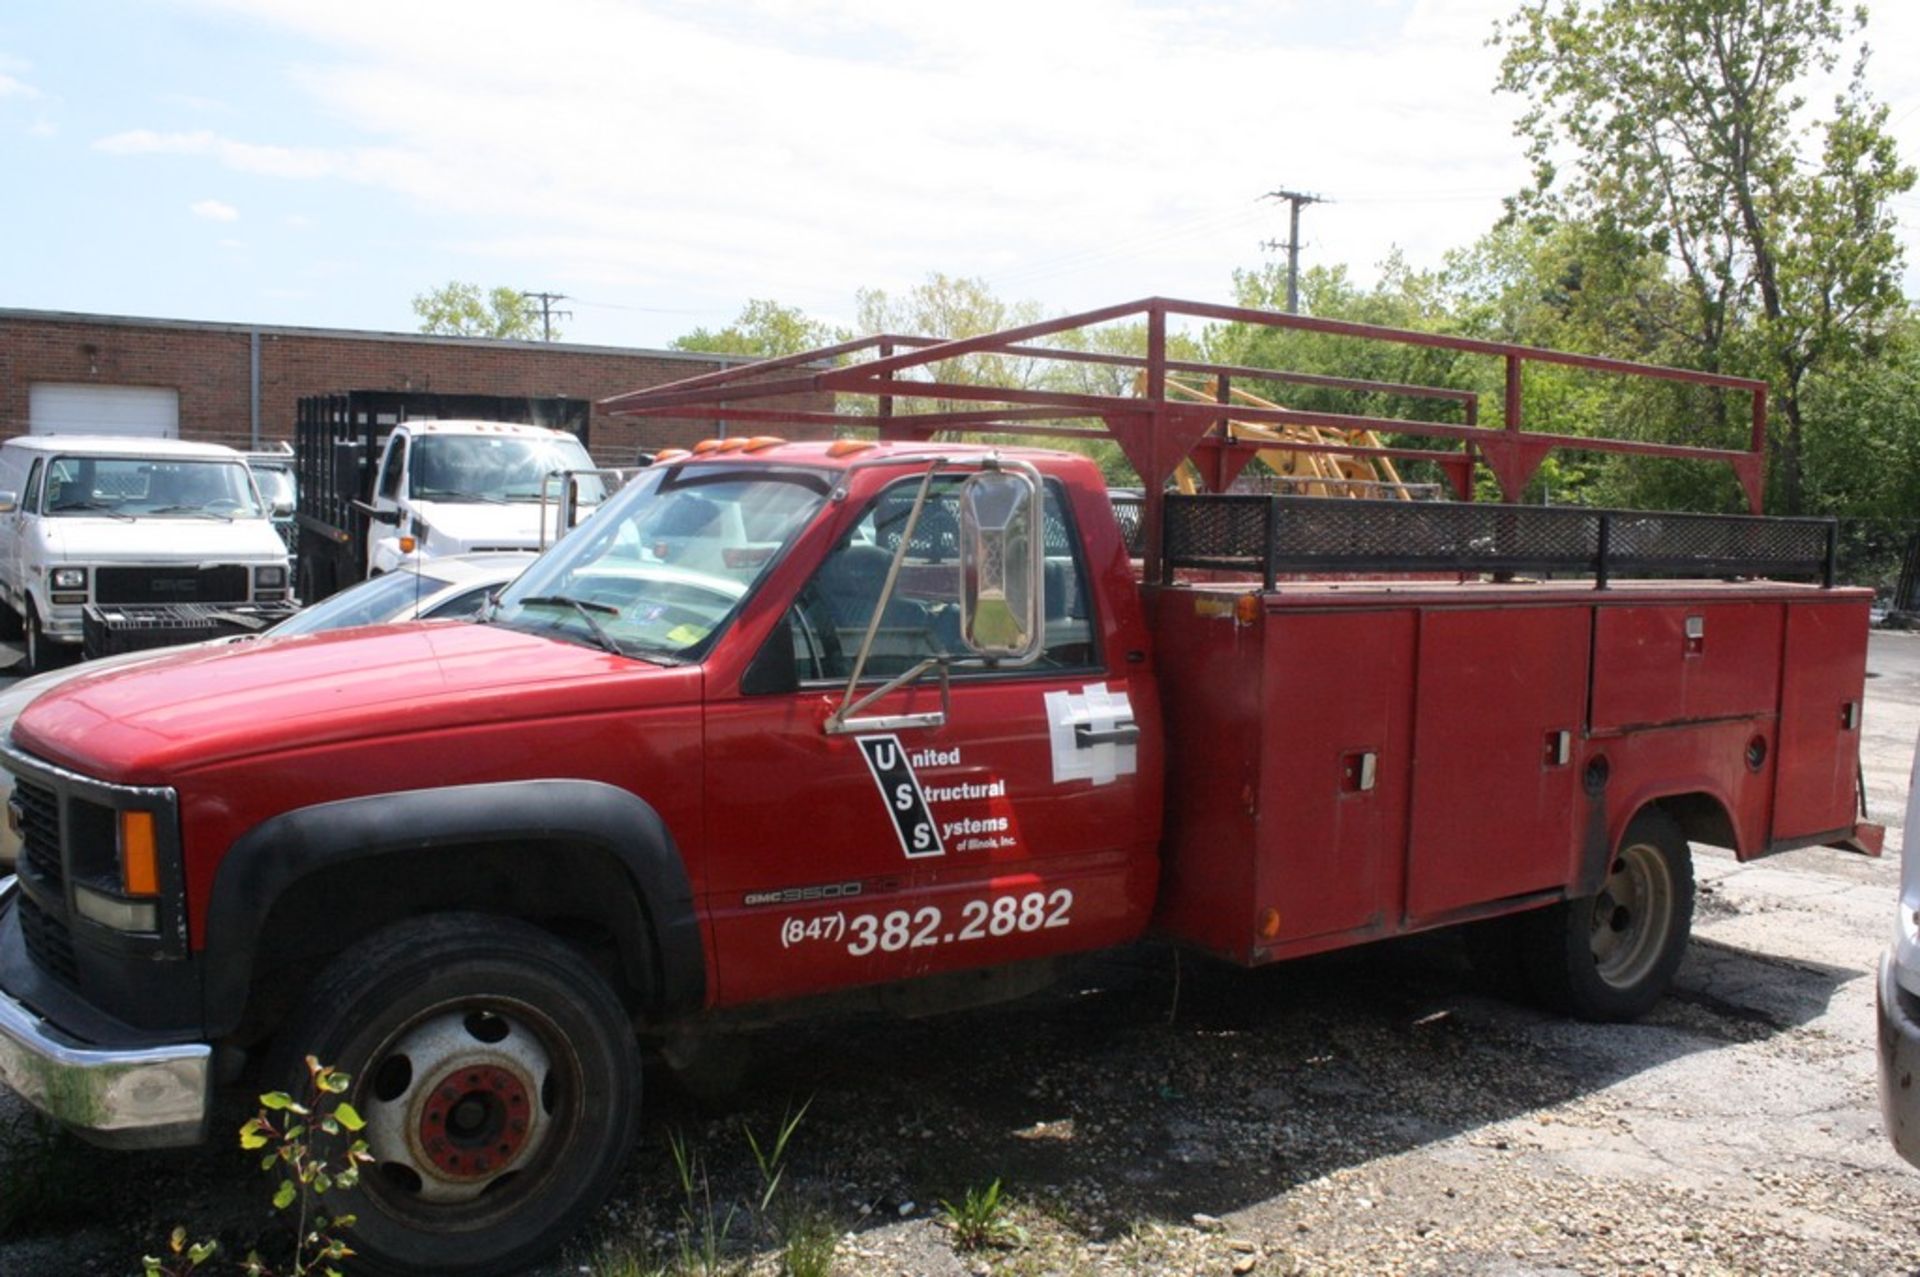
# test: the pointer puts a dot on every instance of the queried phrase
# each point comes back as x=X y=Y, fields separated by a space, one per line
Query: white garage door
x=56 y=409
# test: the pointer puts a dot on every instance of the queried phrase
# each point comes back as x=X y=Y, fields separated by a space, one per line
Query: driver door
x=1008 y=832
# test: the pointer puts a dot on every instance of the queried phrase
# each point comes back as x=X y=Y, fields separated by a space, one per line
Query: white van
x=116 y=520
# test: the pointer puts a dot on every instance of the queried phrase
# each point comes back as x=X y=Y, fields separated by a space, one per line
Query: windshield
x=143 y=486
x=667 y=563
x=384 y=598
x=496 y=468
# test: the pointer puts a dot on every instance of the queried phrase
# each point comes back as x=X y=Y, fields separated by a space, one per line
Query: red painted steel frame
x=1157 y=433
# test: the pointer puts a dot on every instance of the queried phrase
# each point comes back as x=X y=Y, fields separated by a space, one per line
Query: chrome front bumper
x=153 y=1097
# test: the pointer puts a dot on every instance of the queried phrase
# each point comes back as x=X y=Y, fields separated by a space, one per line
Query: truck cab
x=465 y=487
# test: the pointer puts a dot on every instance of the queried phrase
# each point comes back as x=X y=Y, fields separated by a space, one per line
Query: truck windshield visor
x=668 y=562
x=497 y=468
x=139 y=487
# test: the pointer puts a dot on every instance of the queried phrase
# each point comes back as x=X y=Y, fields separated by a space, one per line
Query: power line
x=1129 y=246
x=650 y=310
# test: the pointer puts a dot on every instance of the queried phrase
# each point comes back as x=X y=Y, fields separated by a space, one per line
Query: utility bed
x=1372 y=757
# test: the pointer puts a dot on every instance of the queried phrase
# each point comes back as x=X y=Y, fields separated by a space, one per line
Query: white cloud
x=778 y=148
x=215 y=211
x=10 y=87
x=1074 y=151
x=245 y=157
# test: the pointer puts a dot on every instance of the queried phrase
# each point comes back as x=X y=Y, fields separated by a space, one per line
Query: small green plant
x=771 y=1161
x=289 y=1132
x=183 y=1258
x=628 y=1261
x=980 y=1220
x=810 y=1240
x=704 y=1229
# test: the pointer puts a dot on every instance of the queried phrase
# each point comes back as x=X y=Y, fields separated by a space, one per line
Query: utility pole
x=1296 y=200
x=547 y=312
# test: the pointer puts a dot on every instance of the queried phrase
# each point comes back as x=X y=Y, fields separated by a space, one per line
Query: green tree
x=460 y=309
x=1680 y=119
x=764 y=330
x=953 y=306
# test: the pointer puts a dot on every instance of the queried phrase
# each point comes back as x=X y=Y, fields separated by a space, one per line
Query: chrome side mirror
x=1002 y=566
x=9 y=502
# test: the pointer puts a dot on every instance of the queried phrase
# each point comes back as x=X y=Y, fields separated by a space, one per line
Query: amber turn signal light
x=139 y=857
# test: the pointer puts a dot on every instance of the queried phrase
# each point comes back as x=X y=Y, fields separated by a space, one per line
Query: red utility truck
x=912 y=722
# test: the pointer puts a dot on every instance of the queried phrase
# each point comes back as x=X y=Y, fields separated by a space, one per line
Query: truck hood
x=162 y=539
x=150 y=723
x=478 y=524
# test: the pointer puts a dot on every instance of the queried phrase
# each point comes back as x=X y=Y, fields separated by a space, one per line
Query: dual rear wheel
x=1608 y=956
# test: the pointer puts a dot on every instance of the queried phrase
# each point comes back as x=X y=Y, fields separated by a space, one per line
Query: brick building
x=237 y=383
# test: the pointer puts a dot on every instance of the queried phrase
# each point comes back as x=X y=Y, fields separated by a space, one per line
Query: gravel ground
x=1369 y=1112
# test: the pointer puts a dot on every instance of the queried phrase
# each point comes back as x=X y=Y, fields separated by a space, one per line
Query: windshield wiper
x=90 y=507
x=200 y=511
x=586 y=611
x=454 y=494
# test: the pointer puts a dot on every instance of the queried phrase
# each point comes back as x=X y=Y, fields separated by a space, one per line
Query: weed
x=810 y=1239
x=980 y=1220
x=770 y=1161
x=289 y=1131
x=704 y=1230
x=628 y=1261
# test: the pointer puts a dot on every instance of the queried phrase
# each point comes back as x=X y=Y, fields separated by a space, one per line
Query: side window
x=30 y=499
x=63 y=485
x=390 y=470
x=922 y=616
x=460 y=605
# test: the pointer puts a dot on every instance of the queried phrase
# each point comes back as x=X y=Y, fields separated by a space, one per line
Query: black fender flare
x=277 y=853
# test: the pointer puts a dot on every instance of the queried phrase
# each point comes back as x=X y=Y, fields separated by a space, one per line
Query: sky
x=321 y=162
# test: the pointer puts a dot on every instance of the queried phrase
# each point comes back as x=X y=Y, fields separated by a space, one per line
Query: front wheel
x=500 y=1083
x=1611 y=956
x=40 y=653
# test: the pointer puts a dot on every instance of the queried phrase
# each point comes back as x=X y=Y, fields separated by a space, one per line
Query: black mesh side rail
x=1275 y=534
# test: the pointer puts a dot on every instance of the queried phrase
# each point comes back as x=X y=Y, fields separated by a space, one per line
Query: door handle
x=1086 y=735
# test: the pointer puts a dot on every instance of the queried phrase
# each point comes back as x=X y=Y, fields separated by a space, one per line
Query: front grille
x=40 y=832
x=226 y=583
x=49 y=943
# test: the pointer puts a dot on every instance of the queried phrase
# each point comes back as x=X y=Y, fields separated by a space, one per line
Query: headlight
x=270 y=578
x=127 y=901
x=69 y=578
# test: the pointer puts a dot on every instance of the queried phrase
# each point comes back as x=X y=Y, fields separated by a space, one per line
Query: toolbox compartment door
x=1333 y=776
x=1819 y=744
x=1656 y=664
x=1494 y=782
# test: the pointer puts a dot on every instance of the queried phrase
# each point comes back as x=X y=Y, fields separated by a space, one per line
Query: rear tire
x=500 y=1081
x=1611 y=956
